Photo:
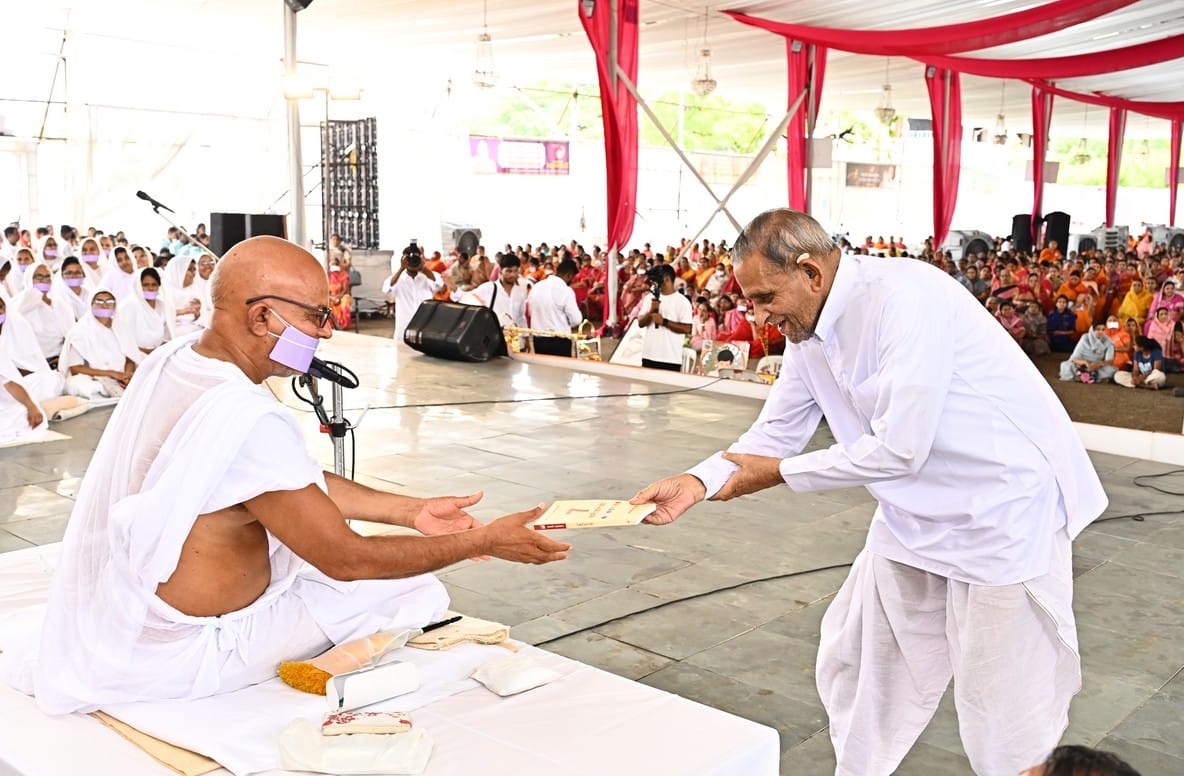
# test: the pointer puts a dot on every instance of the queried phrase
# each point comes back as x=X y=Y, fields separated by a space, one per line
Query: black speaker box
x=1056 y=227
x=458 y=332
x=229 y=229
x=1021 y=232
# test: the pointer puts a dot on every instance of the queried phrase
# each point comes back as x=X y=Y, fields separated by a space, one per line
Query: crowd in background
x=79 y=312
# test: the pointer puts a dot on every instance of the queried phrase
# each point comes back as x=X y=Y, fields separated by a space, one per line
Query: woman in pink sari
x=703 y=326
x=340 y=301
x=1167 y=299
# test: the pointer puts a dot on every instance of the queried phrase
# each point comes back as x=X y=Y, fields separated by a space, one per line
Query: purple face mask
x=294 y=349
x=74 y=282
x=42 y=287
x=50 y=253
x=3 y=317
x=103 y=312
x=151 y=295
x=23 y=267
x=91 y=258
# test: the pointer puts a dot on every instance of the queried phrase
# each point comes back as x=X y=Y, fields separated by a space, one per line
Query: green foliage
x=1143 y=163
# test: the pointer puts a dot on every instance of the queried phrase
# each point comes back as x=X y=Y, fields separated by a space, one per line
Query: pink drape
x=807 y=67
x=1041 y=119
x=945 y=103
x=1114 y=160
x=1172 y=111
x=1174 y=175
x=1074 y=66
x=947 y=39
x=619 y=110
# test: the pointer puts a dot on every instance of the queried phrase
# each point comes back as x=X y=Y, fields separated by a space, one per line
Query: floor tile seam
x=1139 y=569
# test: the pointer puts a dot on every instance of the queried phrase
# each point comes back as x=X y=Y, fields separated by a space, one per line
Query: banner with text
x=519 y=157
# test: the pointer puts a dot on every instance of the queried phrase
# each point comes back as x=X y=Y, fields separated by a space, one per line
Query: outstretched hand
x=446 y=514
x=673 y=496
x=512 y=538
x=756 y=472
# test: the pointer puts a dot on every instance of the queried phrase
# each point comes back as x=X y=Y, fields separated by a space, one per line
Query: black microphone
x=155 y=204
x=333 y=372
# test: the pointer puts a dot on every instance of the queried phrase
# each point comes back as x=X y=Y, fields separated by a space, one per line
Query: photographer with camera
x=409 y=286
x=665 y=323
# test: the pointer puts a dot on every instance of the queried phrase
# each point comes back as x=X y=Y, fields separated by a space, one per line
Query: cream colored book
x=591 y=513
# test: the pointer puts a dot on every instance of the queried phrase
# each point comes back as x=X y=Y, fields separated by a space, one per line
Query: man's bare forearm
x=358 y=502
x=398 y=557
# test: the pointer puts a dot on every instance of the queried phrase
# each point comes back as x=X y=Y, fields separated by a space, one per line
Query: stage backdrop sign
x=870 y=176
x=519 y=157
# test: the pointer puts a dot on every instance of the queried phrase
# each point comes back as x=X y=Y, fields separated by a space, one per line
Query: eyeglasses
x=324 y=314
x=103 y=303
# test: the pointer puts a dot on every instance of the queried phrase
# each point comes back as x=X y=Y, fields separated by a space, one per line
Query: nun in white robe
x=146 y=316
x=10 y=279
x=121 y=277
x=179 y=277
x=48 y=251
x=47 y=311
x=92 y=260
x=18 y=343
x=94 y=346
x=21 y=417
x=74 y=290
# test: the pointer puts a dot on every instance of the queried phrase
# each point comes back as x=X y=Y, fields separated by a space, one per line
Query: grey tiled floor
x=749 y=651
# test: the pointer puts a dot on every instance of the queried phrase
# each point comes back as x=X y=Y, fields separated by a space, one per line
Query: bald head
x=267 y=265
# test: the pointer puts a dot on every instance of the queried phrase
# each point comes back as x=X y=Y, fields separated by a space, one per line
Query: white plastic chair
x=689 y=359
x=769 y=365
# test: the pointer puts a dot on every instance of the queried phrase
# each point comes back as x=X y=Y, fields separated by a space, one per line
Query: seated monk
x=206 y=546
x=1050 y=254
x=1073 y=287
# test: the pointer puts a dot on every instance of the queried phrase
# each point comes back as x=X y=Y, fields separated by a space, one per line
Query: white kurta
x=553 y=306
x=981 y=482
x=408 y=293
x=508 y=306
x=218 y=440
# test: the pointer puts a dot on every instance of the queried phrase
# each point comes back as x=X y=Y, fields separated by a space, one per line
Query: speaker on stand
x=229 y=229
x=1056 y=227
x=1021 y=233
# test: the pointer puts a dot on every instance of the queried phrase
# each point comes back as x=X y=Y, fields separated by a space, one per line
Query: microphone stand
x=156 y=209
x=333 y=423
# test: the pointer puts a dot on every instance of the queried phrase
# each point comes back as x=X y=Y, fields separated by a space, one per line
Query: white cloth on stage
x=408 y=293
x=18 y=343
x=217 y=441
x=895 y=635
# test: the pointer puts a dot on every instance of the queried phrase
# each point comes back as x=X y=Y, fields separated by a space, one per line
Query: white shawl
x=19 y=343
x=107 y=637
x=118 y=282
x=149 y=327
x=61 y=311
x=79 y=303
x=94 y=274
x=99 y=347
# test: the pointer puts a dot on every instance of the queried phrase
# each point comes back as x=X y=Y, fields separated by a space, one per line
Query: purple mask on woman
x=74 y=282
x=42 y=287
x=151 y=295
x=51 y=253
x=103 y=312
x=3 y=317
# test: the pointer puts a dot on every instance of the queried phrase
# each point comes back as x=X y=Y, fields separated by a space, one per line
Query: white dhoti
x=87 y=387
x=43 y=386
x=895 y=635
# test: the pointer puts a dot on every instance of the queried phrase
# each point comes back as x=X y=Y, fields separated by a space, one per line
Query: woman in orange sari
x=340 y=301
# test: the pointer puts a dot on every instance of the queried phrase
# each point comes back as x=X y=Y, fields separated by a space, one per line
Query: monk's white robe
x=14 y=416
x=217 y=441
x=18 y=343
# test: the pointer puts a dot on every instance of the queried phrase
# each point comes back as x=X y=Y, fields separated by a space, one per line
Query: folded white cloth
x=513 y=674
x=303 y=748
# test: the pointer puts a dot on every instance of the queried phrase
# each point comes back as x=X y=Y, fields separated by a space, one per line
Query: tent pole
x=295 y=162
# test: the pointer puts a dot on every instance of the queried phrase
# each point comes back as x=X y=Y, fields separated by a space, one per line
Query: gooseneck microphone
x=156 y=205
x=333 y=372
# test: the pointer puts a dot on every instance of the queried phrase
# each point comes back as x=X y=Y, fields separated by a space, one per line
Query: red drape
x=1172 y=111
x=945 y=103
x=619 y=110
x=1139 y=55
x=807 y=67
x=1114 y=160
x=1174 y=175
x=1041 y=118
x=947 y=39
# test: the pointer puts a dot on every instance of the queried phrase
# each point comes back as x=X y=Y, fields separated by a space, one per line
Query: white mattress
x=589 y=722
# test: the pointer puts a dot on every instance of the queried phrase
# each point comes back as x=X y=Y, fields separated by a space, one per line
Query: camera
x=413 y=255
x=654 y=276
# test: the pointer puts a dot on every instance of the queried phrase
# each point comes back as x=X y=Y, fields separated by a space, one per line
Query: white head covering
x=119 y=282
x=93 y=274
x=79 y=304
x=149 y=327
x=19 y=343
x=100 y=347
x=21 y=279
x=182 y=295
x=11 y=285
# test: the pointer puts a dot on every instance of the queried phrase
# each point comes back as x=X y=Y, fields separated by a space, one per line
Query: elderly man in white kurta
x=981 y=483
x=206 y=546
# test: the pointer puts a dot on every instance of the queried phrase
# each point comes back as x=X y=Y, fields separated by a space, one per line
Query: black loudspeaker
x=458 y=332
x=229 y=229
x=1021 y=232
x=1056 y=227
